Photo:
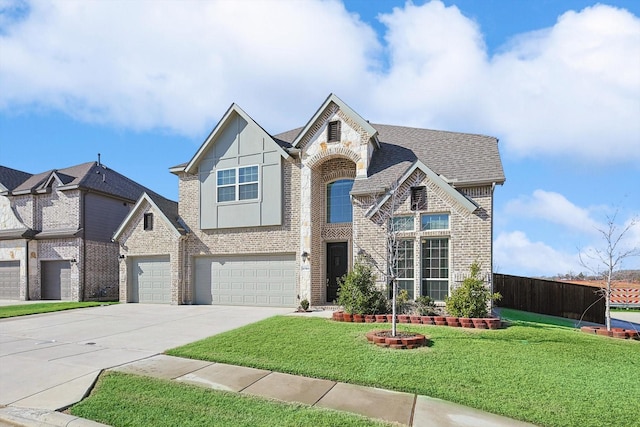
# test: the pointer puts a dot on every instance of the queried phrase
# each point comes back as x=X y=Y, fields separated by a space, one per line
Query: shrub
x=472 y=297
x=304 y=304
x=358 y=293
x=425 y=306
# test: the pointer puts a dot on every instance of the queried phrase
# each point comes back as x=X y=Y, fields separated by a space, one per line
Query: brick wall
x=470 y=235
x=138 y=242
x=283 y=238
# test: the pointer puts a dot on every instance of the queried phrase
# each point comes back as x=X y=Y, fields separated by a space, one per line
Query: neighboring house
x=56 y=229
x=271 y=220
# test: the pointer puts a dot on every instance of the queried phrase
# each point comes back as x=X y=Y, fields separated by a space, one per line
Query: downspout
x=183 y=285
x=26 y=268
x=493 y=186
x=84 y=246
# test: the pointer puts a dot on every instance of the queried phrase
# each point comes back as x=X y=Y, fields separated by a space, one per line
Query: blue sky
x=143 y=83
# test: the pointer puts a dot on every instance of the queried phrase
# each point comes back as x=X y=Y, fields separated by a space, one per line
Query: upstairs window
x=435 y=222
x=148 y=221
x=334 y=131
x=402 y=223
x=237 y=184
x=339 y=207
x=418 y=198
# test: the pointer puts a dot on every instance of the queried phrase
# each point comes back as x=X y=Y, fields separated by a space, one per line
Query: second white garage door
x=151 y=281
x=261 y=280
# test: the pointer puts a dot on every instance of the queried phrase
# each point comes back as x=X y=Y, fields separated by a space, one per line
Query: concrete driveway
x=50 y=361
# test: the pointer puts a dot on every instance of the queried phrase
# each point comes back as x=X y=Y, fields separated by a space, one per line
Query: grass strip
x=517 y=316
x=128 y=400
x=45 y=307
x=543 y=374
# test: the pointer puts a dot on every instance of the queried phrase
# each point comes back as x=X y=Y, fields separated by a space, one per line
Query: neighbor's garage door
x=56 y=280
x=261 y=280
x=9 y=279
x=151 y=281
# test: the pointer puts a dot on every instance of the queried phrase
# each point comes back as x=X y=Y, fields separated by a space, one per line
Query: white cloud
x=571 y=90
x=555 y=208
x=179 y=65
x=515 y=254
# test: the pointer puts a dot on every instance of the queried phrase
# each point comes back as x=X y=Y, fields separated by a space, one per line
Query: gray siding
x=240 y=144
x=102 y=216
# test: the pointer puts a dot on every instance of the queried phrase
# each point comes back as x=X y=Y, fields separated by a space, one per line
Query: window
x=244 y=187
x=418 y=198
x=333 y=131
x=148 y=221
x=402 y=223
x=435 y=268
x=435 y=222
x=339 y=207
x=403 y=266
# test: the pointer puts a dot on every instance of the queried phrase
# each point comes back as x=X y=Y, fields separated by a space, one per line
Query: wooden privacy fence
x=549 y=297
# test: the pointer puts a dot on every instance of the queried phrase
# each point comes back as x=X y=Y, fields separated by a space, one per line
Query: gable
x=237 y=146
x=335 y=130
x=444 y=191
x=159 y=206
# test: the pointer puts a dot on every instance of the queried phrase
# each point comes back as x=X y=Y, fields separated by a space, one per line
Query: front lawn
x=45 y=307
x=544 y=374
x=128 y=400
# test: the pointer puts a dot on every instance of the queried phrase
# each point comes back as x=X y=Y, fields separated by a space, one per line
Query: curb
x=43 y=418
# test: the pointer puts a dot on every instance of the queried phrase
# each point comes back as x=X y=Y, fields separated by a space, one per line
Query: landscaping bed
x=457 y=322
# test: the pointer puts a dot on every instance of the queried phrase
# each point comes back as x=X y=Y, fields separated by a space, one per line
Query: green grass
x=45 y=307
x=523 y=317
x=544 y=374
x=128 y=400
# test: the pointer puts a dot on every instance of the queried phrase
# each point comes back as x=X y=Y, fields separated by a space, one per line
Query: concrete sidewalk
x=402 y=408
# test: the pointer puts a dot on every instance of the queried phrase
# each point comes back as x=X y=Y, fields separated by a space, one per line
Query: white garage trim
x=150 y=280
x=258 y=280
x=9 y=279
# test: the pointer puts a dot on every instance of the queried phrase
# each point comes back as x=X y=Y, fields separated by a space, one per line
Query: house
x=273 y=219
x=56 y=229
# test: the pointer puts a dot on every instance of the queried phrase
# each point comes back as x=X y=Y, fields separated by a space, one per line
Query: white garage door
x=261 y=280
x=151 y=281
x=9 y=279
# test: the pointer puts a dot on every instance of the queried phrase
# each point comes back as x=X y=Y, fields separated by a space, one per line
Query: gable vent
x=334 y=131
x=418 y=198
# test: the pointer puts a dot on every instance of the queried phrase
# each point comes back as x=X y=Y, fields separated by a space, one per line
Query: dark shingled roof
x=461 y=158
x=87 y=176
x=11 y=178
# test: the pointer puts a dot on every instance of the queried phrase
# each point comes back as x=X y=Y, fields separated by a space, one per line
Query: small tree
x=471 y=299
x=605 y=261
x=358 y=293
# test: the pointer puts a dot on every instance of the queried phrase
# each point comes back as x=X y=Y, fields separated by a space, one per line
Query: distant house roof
x=11 y=178
x=91 y=176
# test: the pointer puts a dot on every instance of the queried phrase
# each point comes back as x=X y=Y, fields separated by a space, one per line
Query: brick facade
x=304 y=229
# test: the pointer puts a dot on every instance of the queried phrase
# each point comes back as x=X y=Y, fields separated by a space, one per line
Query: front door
x=337 y=264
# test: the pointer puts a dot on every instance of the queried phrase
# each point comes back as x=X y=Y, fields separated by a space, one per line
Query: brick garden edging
x=477 y=323
x=621 y=333
x=402 y=340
